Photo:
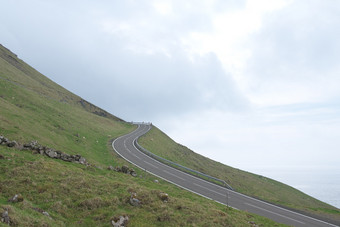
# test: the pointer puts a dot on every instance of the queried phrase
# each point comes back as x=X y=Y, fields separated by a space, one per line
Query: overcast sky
x=252 y=84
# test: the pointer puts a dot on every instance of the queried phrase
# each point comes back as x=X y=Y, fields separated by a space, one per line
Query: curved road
x=125 y=147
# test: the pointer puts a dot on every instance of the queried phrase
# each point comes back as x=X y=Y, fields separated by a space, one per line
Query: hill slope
x=32 y=107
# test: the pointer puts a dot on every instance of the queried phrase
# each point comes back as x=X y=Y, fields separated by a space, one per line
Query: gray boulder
x=110 y=168
x=82 y=161
x=122 y=221
x=163 y=196
x=125 y=169
x=134 y=202
x=3 y=140
x=16 y=198
x=12 y=143
x=51 y=153
x=65 y=157
x=5 y=218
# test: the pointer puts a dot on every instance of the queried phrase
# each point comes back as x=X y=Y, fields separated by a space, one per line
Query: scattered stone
x=118 y=169
x=163 y=196
x=156 y=181
x=3 y=140
x=42 y=211
x=38 y=149
x=46 y=213
x=2 y=157
x=252 y=223
x=110 y=168
x=125 y=169
x=51 y=153
x=16 y=198
x=12 y=143
x=133 y=200
x=134 y=174
x=82 y=160
x=122 y=221
x=5 y=218
x=65 y=157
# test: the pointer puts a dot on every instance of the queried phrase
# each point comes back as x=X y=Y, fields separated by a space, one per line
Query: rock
x=134 y=202
x=118 y=169
x=125 y=169
x=12 y=143
x=110 y=168
x=3 y=140
x=42 y=211
x=46 y=213
x=16 y=198
x=65 y=157
x=156 y=181
x=82 y=161
x=2 y=157
x=134 y=174
x=253 y=223
x=51 y=153
x=122 y=221
x=163 y=196
x=5 y=218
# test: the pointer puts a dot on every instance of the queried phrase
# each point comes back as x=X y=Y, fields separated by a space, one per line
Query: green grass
x=250 y=184
x=32 y=107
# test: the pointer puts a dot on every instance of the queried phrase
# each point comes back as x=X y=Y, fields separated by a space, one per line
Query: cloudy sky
x=253 y=84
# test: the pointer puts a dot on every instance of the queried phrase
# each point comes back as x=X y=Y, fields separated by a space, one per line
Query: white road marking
x=209 y=189
x=274 y=213
x=136 y=156
x=173 y=175
x=151 y=164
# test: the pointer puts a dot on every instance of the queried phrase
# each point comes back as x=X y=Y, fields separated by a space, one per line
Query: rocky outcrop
x=36 y=148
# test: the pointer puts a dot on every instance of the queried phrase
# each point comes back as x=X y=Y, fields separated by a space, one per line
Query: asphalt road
x=124 y=146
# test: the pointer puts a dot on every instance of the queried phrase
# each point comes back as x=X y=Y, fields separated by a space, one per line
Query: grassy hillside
x=32 y=107
x=244 y=182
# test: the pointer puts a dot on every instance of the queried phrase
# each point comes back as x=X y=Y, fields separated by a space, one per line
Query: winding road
x=125 y=147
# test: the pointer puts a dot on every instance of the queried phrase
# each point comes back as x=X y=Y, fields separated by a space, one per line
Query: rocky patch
x=36 y=148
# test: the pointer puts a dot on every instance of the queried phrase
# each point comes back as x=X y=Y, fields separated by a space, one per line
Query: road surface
x=125 y=147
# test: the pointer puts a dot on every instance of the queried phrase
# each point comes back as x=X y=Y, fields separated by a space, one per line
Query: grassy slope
x=244 y=182
x=32 y=107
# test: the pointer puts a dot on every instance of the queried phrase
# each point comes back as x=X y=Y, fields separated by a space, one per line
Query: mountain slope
x=32 y=107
